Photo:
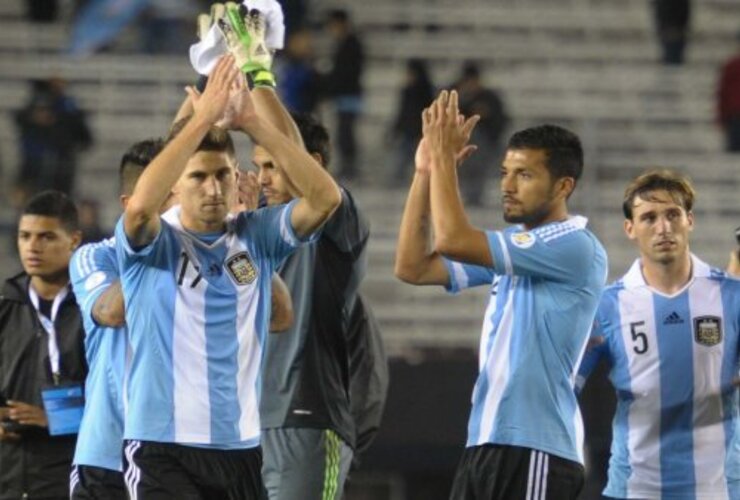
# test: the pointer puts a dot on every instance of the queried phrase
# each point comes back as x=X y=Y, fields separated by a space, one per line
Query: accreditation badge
x=64 y=405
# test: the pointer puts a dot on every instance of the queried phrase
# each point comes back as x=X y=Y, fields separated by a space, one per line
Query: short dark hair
x=135 y=160
x=562 y=147
x=216 y=140
x=315 y=136
x=677 y=185
x=54 y=204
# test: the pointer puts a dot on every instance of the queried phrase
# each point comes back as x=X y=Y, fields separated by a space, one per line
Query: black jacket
x=38 y=465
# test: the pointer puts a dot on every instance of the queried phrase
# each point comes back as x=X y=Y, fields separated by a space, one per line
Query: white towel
x=204 y=54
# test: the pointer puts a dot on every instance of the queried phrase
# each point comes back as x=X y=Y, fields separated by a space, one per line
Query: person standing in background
x=41 y=348
x=728 y=101
x=344 y=87
x=416 y=94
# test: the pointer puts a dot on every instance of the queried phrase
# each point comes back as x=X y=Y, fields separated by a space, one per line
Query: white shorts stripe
x=74 y=480
x=530 y=477
x=545 y=471
x=132 y=474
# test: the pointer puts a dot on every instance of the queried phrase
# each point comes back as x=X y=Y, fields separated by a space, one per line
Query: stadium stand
x=587 y=64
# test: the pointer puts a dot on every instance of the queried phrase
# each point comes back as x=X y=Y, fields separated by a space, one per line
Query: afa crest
x=708 y=330
x=522 y=239
x=241 y=268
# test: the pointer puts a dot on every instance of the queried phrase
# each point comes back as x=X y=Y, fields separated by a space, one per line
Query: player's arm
x=281 y=315
x=416 y=262
x=141 y=217
x=446 y=133
x=109 y=308
x=320 y=195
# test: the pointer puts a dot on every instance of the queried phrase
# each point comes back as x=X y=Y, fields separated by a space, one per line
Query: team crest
x=241 y=268
x=523 y=239
x=708 y=330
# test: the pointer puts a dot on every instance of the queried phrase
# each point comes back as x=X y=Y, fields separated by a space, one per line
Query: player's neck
x=195 y=225
x=559 y=214
x=48 y=287
x=670 y=277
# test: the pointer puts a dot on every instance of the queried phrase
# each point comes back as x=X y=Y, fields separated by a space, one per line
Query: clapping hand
x=443 y=135
x=213 y=102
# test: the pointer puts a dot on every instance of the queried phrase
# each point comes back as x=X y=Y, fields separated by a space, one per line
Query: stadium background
x=590 y=65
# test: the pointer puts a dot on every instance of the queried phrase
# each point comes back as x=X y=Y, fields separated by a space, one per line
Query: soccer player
x=197 y=286
x=545 y=275
x=669 y=330
x=41 y=348
x=307 y=427
x=97 y=471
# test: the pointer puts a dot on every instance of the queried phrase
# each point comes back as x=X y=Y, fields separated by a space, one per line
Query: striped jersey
x=545 y=287
x=92 y=270
x=197 y=314
x=673 y=359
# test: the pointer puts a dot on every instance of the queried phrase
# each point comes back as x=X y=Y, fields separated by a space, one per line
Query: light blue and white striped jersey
x=544 y=291
x=197 y=315
x=93 y=269
x=673 y=358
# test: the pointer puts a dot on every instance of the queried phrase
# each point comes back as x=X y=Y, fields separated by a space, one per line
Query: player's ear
x=629 y=228
x=566 y=185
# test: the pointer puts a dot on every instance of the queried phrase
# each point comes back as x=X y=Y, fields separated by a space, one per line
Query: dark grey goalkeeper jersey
x=306 y=370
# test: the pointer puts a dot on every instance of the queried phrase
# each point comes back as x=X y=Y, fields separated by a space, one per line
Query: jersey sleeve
x=273 y=233
x=92 y=270
x=126 y=253
x=347 y=227
x=464 y=276
x=561 y=258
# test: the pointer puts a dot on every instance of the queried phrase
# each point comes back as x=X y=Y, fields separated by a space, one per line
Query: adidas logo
x=673 y=319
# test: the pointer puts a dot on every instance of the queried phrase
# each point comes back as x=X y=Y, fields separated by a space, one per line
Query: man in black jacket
x=41 y=347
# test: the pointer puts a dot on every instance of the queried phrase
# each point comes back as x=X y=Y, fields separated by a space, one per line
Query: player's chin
x=213 y=212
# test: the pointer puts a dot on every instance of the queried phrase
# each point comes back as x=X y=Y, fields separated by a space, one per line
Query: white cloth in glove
x=205 y=54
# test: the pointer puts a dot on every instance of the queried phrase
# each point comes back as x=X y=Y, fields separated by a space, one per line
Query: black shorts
x=172 y=471
x=496 y=472
x=96 y=483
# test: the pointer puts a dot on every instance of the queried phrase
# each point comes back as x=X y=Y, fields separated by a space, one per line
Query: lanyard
x=48 y=325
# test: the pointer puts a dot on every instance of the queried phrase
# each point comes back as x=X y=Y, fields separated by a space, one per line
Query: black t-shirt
x=306 y=374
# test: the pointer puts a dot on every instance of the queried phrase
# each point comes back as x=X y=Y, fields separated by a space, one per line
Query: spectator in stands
x=416 y=94
x=343 y=85
x=728 y=101
x=476 y=99
x=298 y=80
x=52 y=130
x=41 y=346
x=92 y=229
x=42 y=11
x=672 y=19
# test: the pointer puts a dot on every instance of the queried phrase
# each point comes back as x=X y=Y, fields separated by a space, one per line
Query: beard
x=534 y=217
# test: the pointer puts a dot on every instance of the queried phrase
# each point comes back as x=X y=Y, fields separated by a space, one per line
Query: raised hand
x=212 y=104
x=445 y=131
x=248 y=192
x=240 y=113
